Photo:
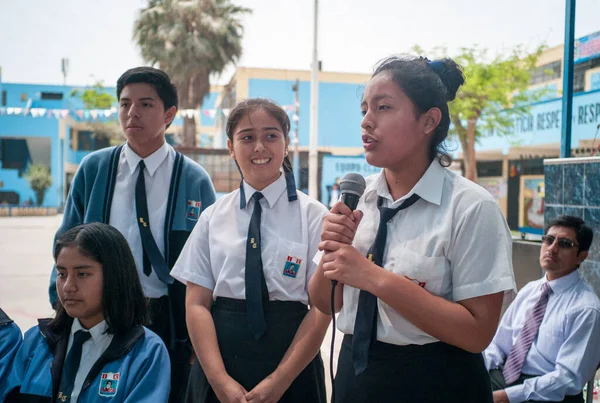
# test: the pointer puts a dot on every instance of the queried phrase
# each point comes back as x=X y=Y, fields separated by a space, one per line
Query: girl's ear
x=432 y=120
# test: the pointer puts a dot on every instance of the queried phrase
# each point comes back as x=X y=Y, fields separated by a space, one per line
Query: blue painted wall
x=339 y=109
x=207 y=105
x=22 y=126
x=17 y=96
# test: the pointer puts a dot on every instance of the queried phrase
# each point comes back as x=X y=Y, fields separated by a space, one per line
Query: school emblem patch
x=292 y=265
x=109 y=383
x=193 y=210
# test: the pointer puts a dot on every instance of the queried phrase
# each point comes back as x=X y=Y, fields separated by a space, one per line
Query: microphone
x=352 y=187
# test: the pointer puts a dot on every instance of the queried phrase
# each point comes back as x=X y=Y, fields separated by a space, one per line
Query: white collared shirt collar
x=563 y=283
x=152 y=161
x=429 y=187
x=98 y=332
x=271 y=193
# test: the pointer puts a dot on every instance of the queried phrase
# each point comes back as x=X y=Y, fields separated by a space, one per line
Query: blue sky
x=353 y=34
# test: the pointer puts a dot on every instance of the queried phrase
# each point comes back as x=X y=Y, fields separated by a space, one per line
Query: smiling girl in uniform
x=247 y=266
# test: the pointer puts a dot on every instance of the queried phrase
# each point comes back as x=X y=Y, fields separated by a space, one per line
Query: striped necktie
x=516 y=357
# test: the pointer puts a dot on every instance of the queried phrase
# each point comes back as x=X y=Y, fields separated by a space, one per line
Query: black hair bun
x=450 y=73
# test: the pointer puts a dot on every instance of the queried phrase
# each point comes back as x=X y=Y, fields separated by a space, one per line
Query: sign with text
x=587 y=48
x=334 y=168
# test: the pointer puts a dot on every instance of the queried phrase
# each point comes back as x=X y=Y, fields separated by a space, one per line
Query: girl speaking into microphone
x=424 y=262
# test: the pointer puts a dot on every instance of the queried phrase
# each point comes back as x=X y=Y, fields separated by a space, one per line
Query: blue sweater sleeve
x=152 y=368
x=22 y=360
x=10 y=341
x=73 y=216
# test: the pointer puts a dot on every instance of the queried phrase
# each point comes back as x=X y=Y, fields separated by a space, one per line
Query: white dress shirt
x=214 y=255
x=454 y=242
x=157 y=175
x=566 y=352
x=91 y=350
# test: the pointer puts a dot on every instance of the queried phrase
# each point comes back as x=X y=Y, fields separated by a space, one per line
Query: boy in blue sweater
x=153 y=195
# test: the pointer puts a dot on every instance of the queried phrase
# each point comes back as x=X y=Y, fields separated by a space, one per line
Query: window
x=3 y=98
x=547 y=72
x=14 y=154
x=84 y=141
x=579 y=75
x=88 y=141
x=52 y=96
x=18 y=152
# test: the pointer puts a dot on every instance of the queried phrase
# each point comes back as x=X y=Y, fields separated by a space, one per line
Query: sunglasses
x=563 y=243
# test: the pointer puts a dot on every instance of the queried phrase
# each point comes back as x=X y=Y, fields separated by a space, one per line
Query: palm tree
x=190 y=40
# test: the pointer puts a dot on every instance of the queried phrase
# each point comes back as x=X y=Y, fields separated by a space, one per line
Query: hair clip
x=437 y=66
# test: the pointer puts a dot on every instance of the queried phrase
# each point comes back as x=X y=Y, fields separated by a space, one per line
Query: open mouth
x=368 y=141
x=261 y=161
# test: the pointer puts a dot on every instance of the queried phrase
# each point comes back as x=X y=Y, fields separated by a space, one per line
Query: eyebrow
x=251 y=129
x=81 y=267
x=377 y=97
x=141 y=99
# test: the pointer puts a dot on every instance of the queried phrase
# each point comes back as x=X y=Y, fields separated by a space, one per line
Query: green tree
x=495 y=93
x=190 y=40
x=40 y=180
x=96 y=97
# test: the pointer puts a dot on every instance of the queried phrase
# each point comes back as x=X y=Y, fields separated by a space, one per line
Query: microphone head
x=353 y=183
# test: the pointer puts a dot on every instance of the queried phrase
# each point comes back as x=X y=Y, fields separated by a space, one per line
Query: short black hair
x=122 y=296
x=428 y=84
x=584 y=234
x=160 y=80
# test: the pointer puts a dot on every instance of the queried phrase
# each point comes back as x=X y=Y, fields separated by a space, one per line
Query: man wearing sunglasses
x=548 y=342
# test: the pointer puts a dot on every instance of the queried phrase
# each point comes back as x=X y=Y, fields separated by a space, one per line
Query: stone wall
x=573 y=188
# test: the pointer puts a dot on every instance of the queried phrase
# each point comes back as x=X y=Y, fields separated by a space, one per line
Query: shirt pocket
x=427 y=272
x=549 y=340
x=290 y=265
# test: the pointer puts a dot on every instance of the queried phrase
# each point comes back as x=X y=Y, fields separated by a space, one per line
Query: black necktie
x=365 y=326
x=256 y=286
x=152 y=255
x=71 y=366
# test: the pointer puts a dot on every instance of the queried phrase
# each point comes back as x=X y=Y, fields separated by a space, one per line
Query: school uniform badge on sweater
x=193 y=210
x=109 y=382
x=292 y=265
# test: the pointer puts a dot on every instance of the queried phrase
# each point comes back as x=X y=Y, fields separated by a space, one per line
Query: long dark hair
x=243 y=108
x=428 y=84
x=123 y=300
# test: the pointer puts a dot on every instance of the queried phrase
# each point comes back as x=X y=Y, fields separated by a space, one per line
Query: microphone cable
x=333 y=330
